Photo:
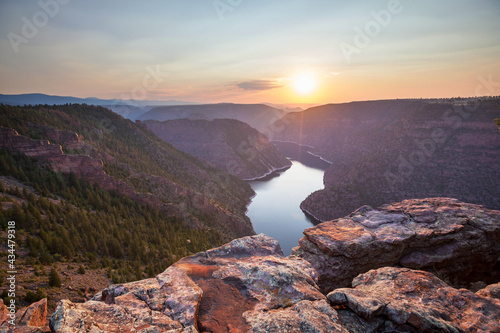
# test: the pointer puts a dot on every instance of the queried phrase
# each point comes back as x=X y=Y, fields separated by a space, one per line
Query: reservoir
x=275 y=210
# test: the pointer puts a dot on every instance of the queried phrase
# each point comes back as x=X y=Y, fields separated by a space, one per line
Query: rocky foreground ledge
x=459 y=241
x=249 y=286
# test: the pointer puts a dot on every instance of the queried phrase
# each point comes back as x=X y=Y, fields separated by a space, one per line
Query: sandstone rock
x=297 y=318
x=244 y=286
x=34 y=315
x=416 y=301
x=458 y=240
x=29 y=319
x=11 y=140
x=491 y=291
x=4 y=313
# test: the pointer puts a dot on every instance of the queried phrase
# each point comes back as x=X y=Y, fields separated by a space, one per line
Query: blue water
x=275 y=210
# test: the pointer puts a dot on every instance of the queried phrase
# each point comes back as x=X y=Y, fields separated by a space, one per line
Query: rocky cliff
x=458 y=241
x=249 y=286
x=393 y=150
x=229 y=144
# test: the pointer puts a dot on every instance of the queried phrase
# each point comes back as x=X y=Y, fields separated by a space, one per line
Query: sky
x=250 y=51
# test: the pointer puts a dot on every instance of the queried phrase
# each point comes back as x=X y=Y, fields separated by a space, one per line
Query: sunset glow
x=305 y=84
x=249 y=51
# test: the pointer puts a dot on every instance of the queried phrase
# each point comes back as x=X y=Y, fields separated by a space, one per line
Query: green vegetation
x=67 y=219
x=138 y=148
x=32 y=297
x=81 y=270
x=54 y=279
x=70 y=219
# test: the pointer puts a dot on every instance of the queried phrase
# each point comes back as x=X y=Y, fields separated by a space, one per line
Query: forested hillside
x=85 y=185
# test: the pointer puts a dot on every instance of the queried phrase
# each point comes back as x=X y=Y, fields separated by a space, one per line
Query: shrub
x=32 y=297
x=54 y=279
x=81 y=270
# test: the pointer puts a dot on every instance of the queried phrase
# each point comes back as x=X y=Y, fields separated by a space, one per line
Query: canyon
x=383 y=151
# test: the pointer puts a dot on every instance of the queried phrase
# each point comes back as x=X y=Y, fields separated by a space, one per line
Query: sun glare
x=305 y=83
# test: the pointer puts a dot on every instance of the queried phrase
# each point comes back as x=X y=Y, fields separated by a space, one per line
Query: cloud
x=259 y=85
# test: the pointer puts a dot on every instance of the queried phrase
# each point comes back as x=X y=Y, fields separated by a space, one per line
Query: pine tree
x=54 y=279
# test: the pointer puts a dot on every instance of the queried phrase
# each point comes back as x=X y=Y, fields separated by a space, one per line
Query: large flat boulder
x=244 y=286
x=403 y=300
x=459 y=241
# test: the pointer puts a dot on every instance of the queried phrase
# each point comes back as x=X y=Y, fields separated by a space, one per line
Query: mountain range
x=258 y=116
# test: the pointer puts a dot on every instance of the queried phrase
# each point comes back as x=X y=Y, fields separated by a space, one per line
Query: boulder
x=34 y=315
x=459 y=241
x=244 y=286
x=29 y=319
x=4 y=313
x=405 y=300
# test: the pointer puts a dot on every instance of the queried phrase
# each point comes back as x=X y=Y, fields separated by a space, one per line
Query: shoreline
x=311 y=214
x=321 y=158
x=267 y=174
x=307 y=146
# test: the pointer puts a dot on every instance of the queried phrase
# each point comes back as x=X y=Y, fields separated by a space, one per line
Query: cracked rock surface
x=244 y=286
x=460 y=241
x=248 y=285
x=416 y=301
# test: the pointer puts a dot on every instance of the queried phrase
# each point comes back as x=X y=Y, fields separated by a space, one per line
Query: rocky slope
x=249 y=286
x=229 y=144
x=257 y=116
x=392 y=150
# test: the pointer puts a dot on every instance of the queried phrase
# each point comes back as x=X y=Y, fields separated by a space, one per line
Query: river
x=275 y=210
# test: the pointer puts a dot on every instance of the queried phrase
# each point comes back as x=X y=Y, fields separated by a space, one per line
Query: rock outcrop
x=248 y=286
x=403 y=300
x=31 y=319
x=231 y=145
x=460 y=241
x=244 y=286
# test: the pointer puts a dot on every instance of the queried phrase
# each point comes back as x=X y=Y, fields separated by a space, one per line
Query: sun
x=305 y=83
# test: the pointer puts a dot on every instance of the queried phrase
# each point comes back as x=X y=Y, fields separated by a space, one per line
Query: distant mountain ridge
x=129 y=109
x=258 y=116
x=229 y=144
x=36 y=98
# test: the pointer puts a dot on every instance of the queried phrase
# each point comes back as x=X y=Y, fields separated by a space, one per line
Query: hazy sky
x=281 y=51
